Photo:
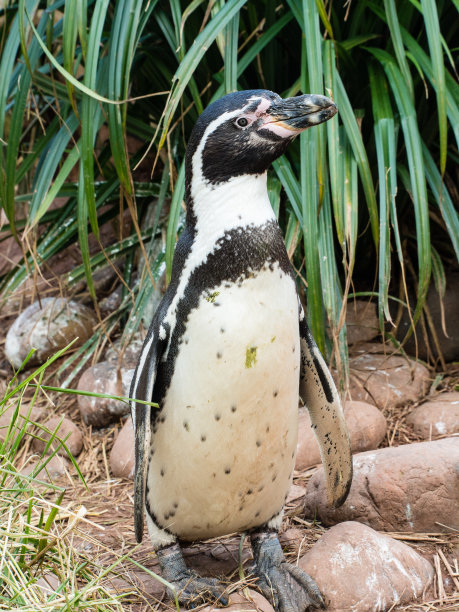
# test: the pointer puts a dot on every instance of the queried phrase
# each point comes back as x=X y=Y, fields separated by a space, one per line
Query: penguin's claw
x=192 y=590
x=286 y=586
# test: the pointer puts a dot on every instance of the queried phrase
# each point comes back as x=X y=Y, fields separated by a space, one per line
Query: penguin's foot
x=191 y=589
x=286 y=586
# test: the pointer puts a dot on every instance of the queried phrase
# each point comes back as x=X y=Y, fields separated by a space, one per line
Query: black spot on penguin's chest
x=240 y=252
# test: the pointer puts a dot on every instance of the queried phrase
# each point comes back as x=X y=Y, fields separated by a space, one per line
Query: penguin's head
x=244 y=132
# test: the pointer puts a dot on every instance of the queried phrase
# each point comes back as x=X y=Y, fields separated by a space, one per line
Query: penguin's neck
x=239 y=202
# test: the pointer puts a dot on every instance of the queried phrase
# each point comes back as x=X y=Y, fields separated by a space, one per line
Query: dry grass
x=95 y=555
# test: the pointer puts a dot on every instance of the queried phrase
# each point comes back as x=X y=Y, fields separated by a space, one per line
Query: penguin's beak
x=293 y=115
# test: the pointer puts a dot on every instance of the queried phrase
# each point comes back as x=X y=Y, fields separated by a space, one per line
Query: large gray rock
x=48 y=326
x=438 y=416
x=407 y=488
x=367 y=428
x=360 y=570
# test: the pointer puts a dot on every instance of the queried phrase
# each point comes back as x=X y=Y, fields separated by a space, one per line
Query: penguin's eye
x=242 y=122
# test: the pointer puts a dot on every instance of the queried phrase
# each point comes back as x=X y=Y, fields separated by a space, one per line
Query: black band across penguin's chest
x=240 y=253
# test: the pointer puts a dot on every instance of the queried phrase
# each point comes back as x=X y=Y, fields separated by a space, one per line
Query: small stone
x=438 y=416
x=406 y=488
x=367 y=428
x=23 y=415
x=74 y=442
x=141 y=581
x=122 y=457
x=48 y=326
x=362 y=324
x=387 y=381
x=126 y=355
x=107 y=379
x=54 y=469
x=361 y=570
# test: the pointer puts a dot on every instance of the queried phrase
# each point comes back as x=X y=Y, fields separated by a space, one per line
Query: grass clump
x=43 y=565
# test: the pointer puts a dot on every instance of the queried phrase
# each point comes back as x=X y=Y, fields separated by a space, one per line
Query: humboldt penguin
x=226 y=358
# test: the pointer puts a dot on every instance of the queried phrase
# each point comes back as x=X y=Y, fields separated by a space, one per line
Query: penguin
x=226 y=359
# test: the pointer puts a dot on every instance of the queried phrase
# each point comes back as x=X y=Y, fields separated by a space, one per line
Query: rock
x=47 y=327
x=74 y=442
x=54 y=469
x=107 y=379
x=387 y=380
x=361 y=570
x=127 y=355
x=295 y=493
x=367 y=428
x=122 y=457
x=362 y=324
x=438 y=416
x=406 y=488
x=112 y=302
x=141 y=581
x=367 y=425
x=23 y=415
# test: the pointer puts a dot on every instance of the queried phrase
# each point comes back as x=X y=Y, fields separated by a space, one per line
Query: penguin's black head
x=244 y=132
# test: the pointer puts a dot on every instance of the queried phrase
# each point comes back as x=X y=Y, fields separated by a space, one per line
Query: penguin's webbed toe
x=287 y=586
x=192 y=590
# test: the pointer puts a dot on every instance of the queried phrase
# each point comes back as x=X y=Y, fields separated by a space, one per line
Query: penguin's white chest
x=223 y=449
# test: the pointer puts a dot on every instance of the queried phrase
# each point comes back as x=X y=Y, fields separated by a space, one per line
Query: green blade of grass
x=417 y=175
x=430 y=14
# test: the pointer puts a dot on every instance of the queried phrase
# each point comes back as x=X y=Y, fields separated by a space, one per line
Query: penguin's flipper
x=142 y=389
x=319 y=394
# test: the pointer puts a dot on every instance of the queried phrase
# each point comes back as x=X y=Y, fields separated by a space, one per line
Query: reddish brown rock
x=438 y=416
x=360 y=570
x=47 y=326
x=407 y=488
x=26 y=413
x=107 y=379
x=122 y=456
x=362 y=323
x=367 y=428
x=65 y=427
x=386 y=380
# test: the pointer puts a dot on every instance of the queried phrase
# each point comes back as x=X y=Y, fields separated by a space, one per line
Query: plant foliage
x=356 y=197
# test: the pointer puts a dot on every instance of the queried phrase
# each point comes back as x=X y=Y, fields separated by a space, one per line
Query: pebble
x=406 y=488
x=48 y=326
x=122 y=458
x=74 y=442
x=54 y=469
x=362 y=324
x=128 y=355
x=367 y=428
x=5 y=418
x=438 y=416
x=105 y=378
x=387 y=381
x=361 y=570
